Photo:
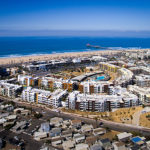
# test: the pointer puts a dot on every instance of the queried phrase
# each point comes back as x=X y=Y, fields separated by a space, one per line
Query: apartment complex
x=9 y=90
x=100 y=103
x=90 y=87
x=142 y=80
x=43 y=97
x=108 y=67
x=49 y=82
x=27 y=80
x=143 y=93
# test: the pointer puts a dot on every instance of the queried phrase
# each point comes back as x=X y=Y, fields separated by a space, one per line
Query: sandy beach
x=23 y=59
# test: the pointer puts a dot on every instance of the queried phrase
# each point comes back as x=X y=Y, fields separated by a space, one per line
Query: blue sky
x=22 y=16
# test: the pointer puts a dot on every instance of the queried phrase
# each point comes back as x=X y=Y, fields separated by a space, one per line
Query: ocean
x=20 y=46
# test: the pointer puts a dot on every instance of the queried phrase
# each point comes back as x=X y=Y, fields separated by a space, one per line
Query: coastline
x=34 y=57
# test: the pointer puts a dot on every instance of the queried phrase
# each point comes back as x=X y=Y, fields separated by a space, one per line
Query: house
x=56 y=141
x=10 y=123
x=55 y=132
x=3 y=115
x=40 y=135
x=22 y=111
x=138 y=140
x=19 y=126
x=79 y=138
x=45 y=127
x=11 y=117
x=76 y=123
x=124 y=136
x=66 y=122
x=86 y=128
x=67 y=134
x=67 y=145
x=106 y=144
x=99 y=131
x=96 y=147
x=56 y=121
x=148 y=145
x=119 y=146
x=91 y=140
x=7 y=107
x=2 y=121
x=82 y=147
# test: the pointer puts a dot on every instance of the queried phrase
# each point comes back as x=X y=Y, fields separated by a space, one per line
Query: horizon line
x=60 y=32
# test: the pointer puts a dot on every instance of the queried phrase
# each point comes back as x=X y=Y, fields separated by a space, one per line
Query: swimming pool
x=100 y=78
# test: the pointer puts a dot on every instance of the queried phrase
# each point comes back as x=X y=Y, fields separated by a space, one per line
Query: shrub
x=38 y=115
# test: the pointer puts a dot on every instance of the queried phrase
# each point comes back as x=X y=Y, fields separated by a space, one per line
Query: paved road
x=110 y=124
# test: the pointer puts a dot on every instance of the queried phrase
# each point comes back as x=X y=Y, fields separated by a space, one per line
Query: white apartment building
x=100 y=103
x=143 y=93
x=94 y=86
x=72 y=97
x=125 y=77
x=116 y=90
x=9 y=90
x=57 y=83
x=36 y=95
x=142 y=80
x=55 y=99
x=43 y=96
x=24 y=79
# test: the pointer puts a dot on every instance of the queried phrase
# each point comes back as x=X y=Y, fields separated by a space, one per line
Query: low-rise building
x=96 y=147
x=99 y=131
x=123 y=137
x=45 y=127
x=40 y=135
x=119 y=146
x=106 y=144
x=56 y=121
x=79 y=138
x=55 y=132
x=86 y=128
x=82 y=146
x=67 y=145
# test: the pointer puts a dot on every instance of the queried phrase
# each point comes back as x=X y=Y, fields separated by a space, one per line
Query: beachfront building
x=9 y=90
x=100 y=103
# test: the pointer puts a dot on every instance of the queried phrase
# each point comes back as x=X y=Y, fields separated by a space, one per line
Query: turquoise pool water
x=100 y=78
